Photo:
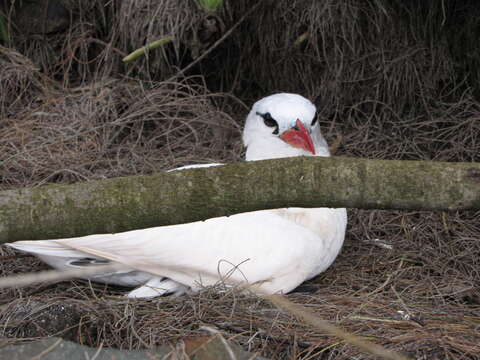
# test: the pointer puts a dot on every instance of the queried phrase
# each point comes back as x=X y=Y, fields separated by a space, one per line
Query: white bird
x=275 y=249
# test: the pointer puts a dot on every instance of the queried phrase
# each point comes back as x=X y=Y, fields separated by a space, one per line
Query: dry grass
x=421 y=297
x=382 y=74
x=114 y=128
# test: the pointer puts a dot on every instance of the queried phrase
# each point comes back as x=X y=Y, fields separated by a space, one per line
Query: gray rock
x=200 y=348
x=59 y=349
x=37 y=319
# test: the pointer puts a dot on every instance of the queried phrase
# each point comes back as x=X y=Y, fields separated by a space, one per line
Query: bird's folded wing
x=195 y=166
x=251 y=247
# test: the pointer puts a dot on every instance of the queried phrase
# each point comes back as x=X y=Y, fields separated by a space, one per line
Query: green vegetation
x=143 y=50
x=210 y=5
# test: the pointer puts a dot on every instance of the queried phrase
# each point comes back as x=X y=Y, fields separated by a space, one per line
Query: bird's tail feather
x=45 y=247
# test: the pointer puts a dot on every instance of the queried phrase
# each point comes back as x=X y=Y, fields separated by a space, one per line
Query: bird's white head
x=283 y=125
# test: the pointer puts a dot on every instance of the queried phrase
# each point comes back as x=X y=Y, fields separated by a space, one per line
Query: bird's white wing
x=195 y=166
x=266 y=246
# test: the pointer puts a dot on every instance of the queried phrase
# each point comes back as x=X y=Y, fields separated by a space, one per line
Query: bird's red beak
x=299 y=137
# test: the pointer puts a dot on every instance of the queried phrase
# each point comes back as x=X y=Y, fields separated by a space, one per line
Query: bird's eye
x=314 y=121
x=269 y=121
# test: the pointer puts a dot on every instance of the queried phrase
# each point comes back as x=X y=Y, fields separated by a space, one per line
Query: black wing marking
x=88 y=262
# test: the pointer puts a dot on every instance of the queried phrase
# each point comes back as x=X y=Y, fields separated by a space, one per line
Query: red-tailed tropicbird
x=275 y=249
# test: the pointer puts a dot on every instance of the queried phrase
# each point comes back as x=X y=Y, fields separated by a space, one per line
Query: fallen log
x=126 y=203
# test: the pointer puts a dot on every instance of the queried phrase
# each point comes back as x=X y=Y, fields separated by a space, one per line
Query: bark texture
x=120 y=204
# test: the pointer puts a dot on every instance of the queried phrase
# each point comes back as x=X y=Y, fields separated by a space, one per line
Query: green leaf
x=210 y=5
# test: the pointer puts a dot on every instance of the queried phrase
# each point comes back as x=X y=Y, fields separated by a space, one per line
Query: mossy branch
x=150 y=46
x=120 y=204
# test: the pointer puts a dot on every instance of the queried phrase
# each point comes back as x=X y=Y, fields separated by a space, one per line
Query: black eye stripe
x=269 y=121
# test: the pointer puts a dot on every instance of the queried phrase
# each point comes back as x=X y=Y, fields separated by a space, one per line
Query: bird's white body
x=275 y=250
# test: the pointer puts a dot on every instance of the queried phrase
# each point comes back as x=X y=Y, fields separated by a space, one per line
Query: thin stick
x=216 y=43
x=141 y=51
x=312 y=319
x=47 y=350
x=17 y=281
